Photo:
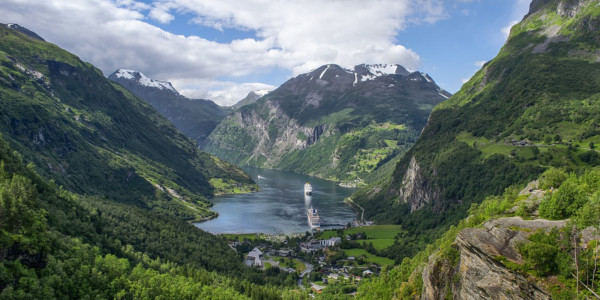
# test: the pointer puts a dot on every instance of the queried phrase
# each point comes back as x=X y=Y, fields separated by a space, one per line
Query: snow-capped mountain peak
x=382 y=69
x=144 y=80
x=261 y=93
x=365 y=72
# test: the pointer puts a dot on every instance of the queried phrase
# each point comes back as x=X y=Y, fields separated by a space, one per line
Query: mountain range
x=251 y=98
x=530 y=115
x=495 y=188
x=196 y=118
x=333 y=122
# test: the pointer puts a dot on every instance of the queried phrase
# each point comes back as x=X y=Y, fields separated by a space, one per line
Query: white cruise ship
x=308 y=189
x=313 y=218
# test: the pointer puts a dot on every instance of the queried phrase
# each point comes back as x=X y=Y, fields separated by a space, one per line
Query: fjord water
x=280 y=206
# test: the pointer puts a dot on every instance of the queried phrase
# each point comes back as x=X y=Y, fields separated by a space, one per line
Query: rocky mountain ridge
x=313 y=113
x=251 y=98
x=196 y=118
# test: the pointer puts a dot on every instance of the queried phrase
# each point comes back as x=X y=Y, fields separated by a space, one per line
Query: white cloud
x=161 y=15
x=506 y=29
x=480 y=63
x=291 y=35
x=465 y=80
x=225 y=93
x=519 y=9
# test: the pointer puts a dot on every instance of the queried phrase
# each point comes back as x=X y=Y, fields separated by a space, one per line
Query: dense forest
x=55 y=244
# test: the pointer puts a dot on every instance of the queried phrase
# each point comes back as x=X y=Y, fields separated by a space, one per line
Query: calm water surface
x=280 y=206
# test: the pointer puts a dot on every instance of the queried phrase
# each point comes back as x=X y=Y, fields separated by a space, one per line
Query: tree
x=557 y=138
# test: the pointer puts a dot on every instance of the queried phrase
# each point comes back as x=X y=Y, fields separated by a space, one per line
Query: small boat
x=313 y=218
x=307 y=189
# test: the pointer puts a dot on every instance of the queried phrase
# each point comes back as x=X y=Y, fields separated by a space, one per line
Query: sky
x=223 y=49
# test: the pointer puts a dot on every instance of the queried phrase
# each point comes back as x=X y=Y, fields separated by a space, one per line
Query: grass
x=327 y=234
x=377 y=231
x=300 y=266
x=228 y=186
x=382 y=236
x=382 y=261
x=241 y=237
x=372 y=232
x=296 y=264
x=379 y=244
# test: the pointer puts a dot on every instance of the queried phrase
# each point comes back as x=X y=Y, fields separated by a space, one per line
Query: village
x=319 y=261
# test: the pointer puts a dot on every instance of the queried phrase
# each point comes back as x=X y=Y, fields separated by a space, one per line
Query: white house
x=331 y=242
x=254 y=258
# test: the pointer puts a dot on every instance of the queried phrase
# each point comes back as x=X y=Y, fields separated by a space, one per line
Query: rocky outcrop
x=563 y=8
x=415 y=189
x=478 y=274
x=438 y=278
x=570 y=8
x=274 y=134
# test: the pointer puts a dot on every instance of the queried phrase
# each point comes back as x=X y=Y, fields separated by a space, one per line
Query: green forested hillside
x=536 y=105
x=554 y=259
x=95 y=138
x=102 y=208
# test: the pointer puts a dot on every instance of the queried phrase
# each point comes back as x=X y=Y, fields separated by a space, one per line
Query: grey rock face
x=478 y=275
x=415 y=189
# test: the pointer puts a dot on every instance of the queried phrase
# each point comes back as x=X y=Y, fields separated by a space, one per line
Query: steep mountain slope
x=23 y=30
x=250 y=98
x=95 y=138
x=537 y=104
x=538 y=242
x=57 y=245
x=332 y=122
x=196 y=118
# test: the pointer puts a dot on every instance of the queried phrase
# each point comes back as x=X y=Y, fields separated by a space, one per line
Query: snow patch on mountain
x=261 y=92
x=372 y=72
x=144 y=80
x=382 y=69
x=321 y=76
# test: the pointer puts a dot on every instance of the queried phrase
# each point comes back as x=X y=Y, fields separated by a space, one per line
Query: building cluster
x=315 y=245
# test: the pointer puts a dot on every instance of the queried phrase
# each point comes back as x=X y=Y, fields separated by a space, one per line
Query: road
x=309 y=268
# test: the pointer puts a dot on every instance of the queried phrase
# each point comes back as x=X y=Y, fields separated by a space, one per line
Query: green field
x=296 y=264
x=327 y=234
x=382 y=236
x=373 y=232
x=382 y=261
x=379 y=244
x=376 y=231
x=241 y=237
